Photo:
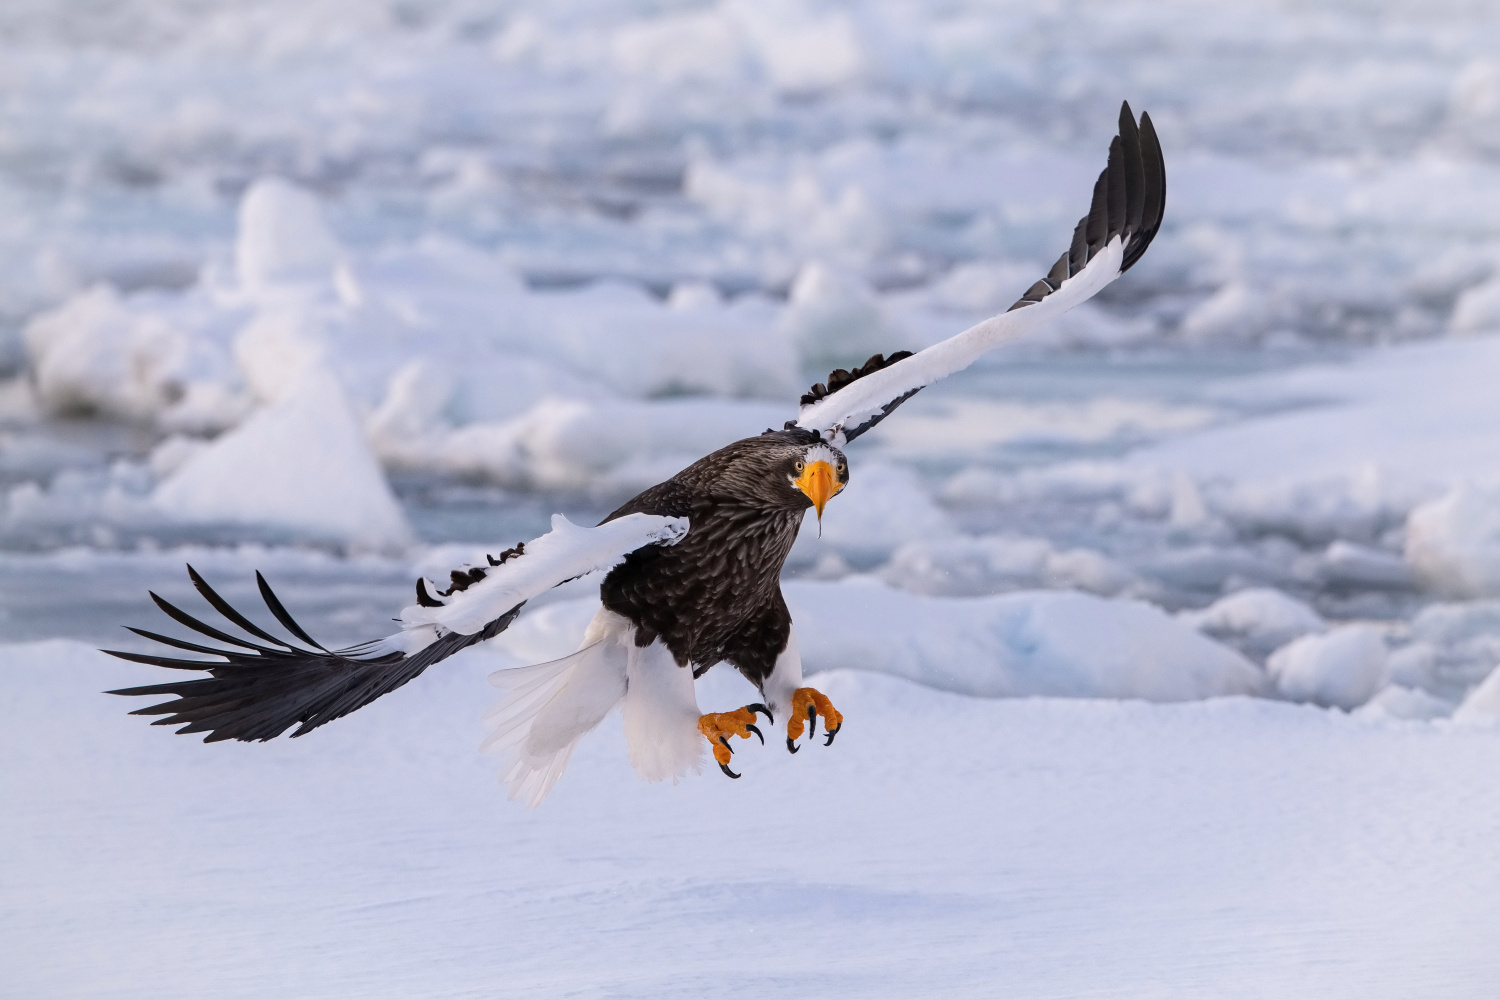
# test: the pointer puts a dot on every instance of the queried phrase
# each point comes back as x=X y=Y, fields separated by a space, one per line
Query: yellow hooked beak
x=819 y=483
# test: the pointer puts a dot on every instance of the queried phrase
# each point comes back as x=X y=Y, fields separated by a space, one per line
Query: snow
x=282 y=236
x=543 y=256
x=832 y=316
x=1342 y=667
x=1379 y=415
x=577 y=443
x=1397 y=701
x=1047 y=643
x=964 y=565
x=1260 y=618
x=1453 y=542
x=942 y=845
x=1483 y=703
x=300 y=464
x=1477 y=309
x=93 y=355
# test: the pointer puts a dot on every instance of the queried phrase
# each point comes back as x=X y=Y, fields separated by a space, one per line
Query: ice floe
x=1342 y=667
x=1257 y=619
x=301 y=463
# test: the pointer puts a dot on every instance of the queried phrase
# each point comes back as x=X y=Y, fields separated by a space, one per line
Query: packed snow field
x=944 y=846
x=352 y=292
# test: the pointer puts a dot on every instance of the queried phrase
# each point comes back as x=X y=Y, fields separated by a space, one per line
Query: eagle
x=690 y=568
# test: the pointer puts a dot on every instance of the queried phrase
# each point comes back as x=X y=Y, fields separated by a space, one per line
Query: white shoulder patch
x=565 y=552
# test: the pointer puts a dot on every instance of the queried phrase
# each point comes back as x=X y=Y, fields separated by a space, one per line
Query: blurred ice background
x=351 y=290
x=341 y=289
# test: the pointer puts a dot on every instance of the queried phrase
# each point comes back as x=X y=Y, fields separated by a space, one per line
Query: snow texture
x=943 y=845
x=1343 y=667
x=541 y=256
x=282 y=236
x=1046 y=643
x=1262 y=618
x=1482 y=703
x=301 y=463
x=1453 y=542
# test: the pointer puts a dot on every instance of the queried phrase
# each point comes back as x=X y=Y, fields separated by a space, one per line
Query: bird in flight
x=690 y=568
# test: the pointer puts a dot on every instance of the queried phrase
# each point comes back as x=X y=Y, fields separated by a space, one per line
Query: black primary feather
x=1128 y=201
x=840 y=377
x=259 y=692
x=1129 y=198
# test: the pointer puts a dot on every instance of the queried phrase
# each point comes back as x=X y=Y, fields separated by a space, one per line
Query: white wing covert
x=1123 y=218
x=478 y=595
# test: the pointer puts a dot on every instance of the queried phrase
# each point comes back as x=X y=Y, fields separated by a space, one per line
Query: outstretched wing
x=267 y=684
x=1126 y=212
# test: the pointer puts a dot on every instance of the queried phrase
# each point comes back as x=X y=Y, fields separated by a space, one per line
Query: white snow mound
x=93 y=354
x=1342 y=668
x=1482 y=703
x=1031 y=643
x=1453 y=542
x=1397 y=701
x=1262 y=618
x=282 y=236
x=300 y=464
x=1477 y=309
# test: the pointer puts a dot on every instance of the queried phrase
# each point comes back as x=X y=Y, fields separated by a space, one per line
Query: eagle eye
x=800 y=465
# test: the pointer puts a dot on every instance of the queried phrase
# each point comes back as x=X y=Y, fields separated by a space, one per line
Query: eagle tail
x=547 y=708
x=265 y=685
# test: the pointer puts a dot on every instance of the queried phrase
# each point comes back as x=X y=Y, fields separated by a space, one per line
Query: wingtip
x=1154 y=200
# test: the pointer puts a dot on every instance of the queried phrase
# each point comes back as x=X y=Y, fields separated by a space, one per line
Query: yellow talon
x=807 y=705
x=717 y=727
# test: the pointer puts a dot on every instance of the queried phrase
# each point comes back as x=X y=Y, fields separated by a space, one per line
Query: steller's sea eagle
x=692 y=567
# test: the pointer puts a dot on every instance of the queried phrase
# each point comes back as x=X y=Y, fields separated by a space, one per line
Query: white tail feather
x=548 y=707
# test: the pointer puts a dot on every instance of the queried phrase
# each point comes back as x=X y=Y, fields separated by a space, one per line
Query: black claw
x=758 y=707
x=812 y=721
x=790 y=746
x=756 y=732
x=832 y=733
x=725 y=741
x=726 y=770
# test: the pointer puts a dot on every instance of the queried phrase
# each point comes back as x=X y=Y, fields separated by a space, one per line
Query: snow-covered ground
x=943 y=846
x=350 y=292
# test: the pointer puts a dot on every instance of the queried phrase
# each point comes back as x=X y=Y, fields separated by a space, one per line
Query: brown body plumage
x=716 y=595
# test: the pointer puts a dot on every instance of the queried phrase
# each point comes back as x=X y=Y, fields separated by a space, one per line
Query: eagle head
x=819 y=473
x=788 y=470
